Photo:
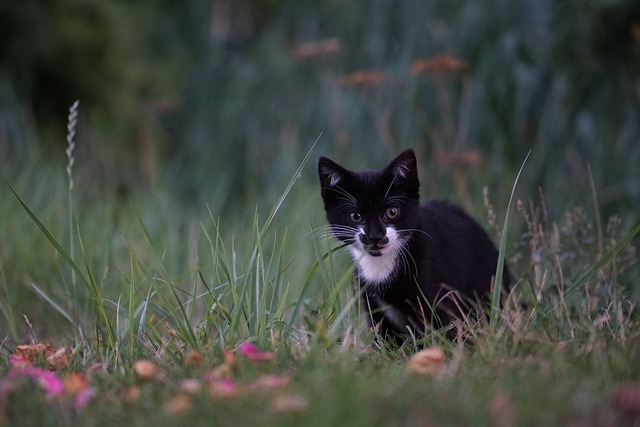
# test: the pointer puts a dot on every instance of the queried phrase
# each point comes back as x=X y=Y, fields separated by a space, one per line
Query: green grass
x=189 y=220
x=565 y=341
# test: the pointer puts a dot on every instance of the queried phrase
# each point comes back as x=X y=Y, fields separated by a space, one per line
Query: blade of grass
x=88 y=281
x=7 y=311
x=306 y=284
x=180 y=322
x=63 y=253
x=607 y=258
x=297 y=174
x=57 y=307
x=131 y=310
x=497 y=282
x=97 y=297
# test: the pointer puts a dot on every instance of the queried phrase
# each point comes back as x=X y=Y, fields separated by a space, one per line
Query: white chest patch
x=377 y=269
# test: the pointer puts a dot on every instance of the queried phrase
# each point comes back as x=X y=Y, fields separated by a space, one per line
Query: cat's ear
x=331 y=174
x=404 y=166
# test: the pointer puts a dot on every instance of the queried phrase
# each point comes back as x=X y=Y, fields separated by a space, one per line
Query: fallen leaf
x=288 y=403
x=132 y=394
x=426 y=362
x=190 y=385
x=229 y=357
x=57 y=360
x=26 y=355
x=224 y=389
x=269 y=382
x=74 y=383
x=84 y=397
x=19 y=361
x=193 y=358
x=251 y=352
x=145 y=369
x=219 y=372
x=47 y=380
x=178 y=405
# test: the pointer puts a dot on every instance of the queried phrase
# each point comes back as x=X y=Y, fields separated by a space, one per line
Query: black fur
x=447 y=262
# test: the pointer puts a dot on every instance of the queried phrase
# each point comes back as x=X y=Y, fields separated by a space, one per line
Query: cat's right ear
x=331 y=174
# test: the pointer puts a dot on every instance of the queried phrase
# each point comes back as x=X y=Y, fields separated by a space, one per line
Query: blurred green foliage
x=218 y=99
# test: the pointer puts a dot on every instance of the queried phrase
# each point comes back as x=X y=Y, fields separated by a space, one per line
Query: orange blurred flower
x=439 y=64
x=317 y=48
x=363 y=78
x=471 y=157
x=76 y=385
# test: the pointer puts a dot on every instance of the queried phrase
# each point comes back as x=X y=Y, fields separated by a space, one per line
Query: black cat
x=420 y=267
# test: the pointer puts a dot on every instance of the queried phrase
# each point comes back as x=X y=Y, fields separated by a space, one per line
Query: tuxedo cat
x=419 y=267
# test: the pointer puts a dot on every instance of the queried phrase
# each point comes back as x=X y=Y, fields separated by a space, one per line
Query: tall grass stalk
x=88 y=279
x=607 y=258
x=243 y=296
x=497 y=283
x=72 y=121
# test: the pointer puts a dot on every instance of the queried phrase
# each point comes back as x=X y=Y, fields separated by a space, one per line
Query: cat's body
x=419 y=267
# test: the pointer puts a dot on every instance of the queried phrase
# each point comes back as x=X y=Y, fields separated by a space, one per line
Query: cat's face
x=374 y=211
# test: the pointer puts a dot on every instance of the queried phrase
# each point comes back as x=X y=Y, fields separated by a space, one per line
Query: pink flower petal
x=48 y=381
x=83 y=398
x=270 y=382
x=251 y=352
x=19 y=360
x=224 y=389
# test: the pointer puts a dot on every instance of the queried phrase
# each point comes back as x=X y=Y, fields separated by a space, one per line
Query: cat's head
x=374 y=211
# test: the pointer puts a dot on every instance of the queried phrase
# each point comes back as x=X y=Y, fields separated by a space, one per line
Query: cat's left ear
x=330 y=172
x=404 y=166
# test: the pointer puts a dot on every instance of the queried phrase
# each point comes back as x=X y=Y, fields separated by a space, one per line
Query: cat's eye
x=355 y=217
x=392 y=212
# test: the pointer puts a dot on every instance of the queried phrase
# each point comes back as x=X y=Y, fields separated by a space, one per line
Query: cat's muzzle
x=374 y=245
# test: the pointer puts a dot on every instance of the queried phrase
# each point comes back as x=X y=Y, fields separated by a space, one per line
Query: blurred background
x=196 y=105
x=219 y=99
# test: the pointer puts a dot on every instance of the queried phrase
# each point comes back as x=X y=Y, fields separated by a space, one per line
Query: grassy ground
x=187 y=293
x=130 y=296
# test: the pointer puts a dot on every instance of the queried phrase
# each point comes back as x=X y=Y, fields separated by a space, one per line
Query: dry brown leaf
x=193 y=358
x=57 y=360
x=179 y=405
x=145 y=369
x=26 y=355
x=225 y=389
x=426 y=362
x=132 y=394
x=288 y=403
x=190 y=386
x=74 y=383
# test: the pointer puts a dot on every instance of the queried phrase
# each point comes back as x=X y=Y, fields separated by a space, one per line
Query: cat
x=419 y=267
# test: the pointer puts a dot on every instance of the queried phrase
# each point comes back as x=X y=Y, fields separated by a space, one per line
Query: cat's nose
x=375 y=241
